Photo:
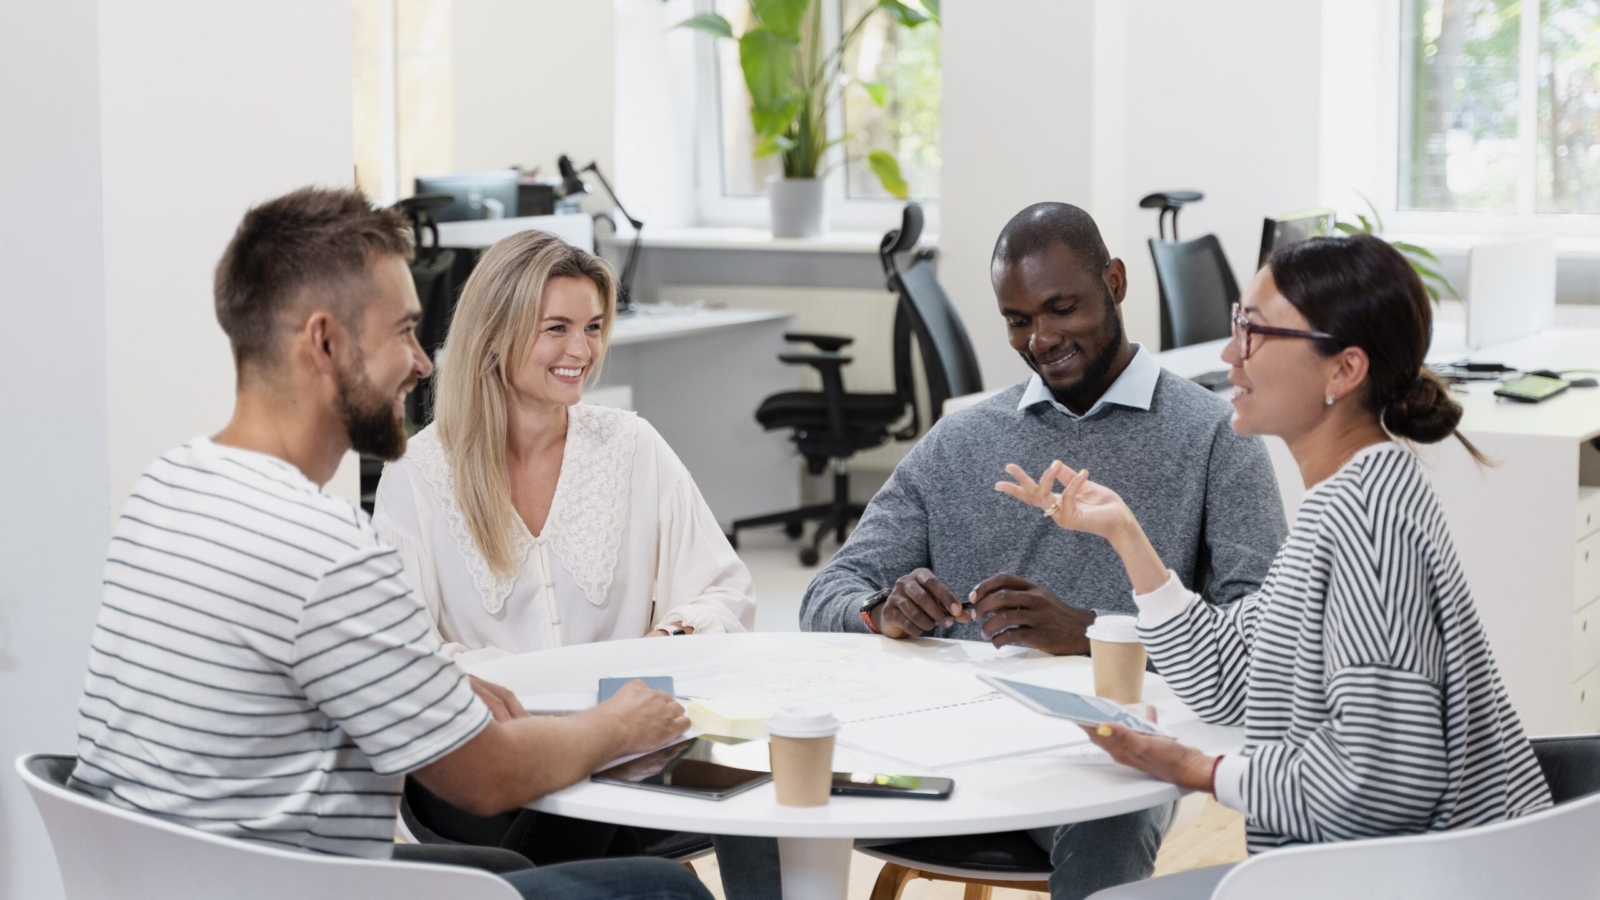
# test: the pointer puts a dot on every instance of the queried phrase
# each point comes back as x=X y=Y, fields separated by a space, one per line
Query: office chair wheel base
x=809 y=557
x=794 y=529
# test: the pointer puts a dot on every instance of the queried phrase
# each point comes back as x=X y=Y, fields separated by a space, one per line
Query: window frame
x=714 y=208
x=1395 y=40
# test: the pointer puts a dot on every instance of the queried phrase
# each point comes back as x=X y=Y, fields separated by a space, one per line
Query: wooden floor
x=1216 y=837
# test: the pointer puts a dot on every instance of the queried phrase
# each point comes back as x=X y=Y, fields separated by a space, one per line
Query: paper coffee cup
x=1118 y=656
x=802 y=755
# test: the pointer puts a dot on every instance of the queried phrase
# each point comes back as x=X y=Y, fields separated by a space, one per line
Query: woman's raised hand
x=1082 y=505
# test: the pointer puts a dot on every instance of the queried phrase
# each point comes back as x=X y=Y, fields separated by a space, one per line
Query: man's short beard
x=368 y=415
x=1089 y=387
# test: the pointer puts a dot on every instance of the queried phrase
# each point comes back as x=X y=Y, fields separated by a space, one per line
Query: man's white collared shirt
x=1134 y=388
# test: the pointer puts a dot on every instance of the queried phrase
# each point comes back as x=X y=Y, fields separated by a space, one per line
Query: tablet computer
x=1080 y=708
x=707 y=766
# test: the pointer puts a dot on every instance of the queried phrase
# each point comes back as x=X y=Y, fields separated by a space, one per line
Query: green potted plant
x=1421 y=258
x=794 y=81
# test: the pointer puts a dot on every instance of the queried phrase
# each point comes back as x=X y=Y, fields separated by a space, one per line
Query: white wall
x=1099 y=102
x=1222 y=98
x=207 y=108
x=138 y=135
x=531 y=80
x=1017 y=118
x=53 y=442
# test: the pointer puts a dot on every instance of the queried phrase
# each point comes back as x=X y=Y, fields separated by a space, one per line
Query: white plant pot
x=799 y=207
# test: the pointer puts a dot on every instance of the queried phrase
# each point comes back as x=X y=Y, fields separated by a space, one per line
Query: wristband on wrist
x=871 y=603
x=1215 y=764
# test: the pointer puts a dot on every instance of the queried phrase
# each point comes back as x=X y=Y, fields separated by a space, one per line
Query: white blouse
x=629 y=546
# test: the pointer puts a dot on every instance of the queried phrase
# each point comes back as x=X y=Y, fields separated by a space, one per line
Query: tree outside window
x=1474 y=135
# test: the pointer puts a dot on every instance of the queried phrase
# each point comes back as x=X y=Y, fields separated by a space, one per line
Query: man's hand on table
x=918 y=603
x=1014 y=610
x=645 y=719
x=503 y=704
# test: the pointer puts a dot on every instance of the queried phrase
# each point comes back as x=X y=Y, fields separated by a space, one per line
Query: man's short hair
x=311 y=240
x=1043 y=224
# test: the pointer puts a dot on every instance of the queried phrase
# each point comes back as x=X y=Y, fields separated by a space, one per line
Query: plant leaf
x=782 y=16
x=710 y=23
x=1423 y=270
x=1433 y=292
x=887 y=168
x=775 y=143
x=877 y=90
x=767 y=59
x=1347 y=228
x=775 y=121
x=1413 y=248
x=1366 y=223
x=932 y=6
x=902 y=13
x=1372 y=208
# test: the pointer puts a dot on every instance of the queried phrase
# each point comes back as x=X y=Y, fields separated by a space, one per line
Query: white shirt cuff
x=1165 y=603
x=1229 y=781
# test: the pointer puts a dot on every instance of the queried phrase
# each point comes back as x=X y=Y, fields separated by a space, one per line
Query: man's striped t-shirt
x=259 y=668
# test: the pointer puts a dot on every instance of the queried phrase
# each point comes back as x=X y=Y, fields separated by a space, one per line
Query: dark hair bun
x=1424 y=412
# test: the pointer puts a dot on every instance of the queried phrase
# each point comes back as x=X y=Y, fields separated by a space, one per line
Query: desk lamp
x=572 y=184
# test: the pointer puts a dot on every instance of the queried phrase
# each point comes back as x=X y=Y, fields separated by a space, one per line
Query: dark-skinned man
x=938 y=534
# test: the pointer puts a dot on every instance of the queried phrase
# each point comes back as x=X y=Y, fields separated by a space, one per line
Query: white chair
x=108 y=853
x=1551 y=855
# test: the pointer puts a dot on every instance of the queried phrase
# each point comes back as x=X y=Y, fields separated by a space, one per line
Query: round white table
x=1045 y=788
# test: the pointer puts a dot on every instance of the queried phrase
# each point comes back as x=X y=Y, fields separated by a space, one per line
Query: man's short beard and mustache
x=368 y=415
x=1090 y=384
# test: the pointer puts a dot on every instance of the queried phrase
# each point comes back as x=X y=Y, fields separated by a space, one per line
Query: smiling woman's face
x=1280 y=388
x=567 y=346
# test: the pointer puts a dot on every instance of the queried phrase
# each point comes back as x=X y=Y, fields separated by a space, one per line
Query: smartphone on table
x=1074 y=707
x=871 y=784
x=1532 y=388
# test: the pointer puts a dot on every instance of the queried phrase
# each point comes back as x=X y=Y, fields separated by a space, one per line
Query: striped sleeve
x=1378 y=764
x=365 y=654
x=1203 y=653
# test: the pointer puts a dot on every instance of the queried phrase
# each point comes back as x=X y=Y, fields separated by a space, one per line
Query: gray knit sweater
x=1205 y=495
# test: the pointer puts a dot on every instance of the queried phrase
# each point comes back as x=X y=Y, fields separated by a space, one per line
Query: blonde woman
x=528 y=520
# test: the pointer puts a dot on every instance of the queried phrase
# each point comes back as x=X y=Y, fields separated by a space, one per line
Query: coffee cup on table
x=802 y=755
x=1118 y=657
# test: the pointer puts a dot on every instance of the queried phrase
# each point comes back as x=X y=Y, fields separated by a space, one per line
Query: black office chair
x=1196 y=283
x=832 y=425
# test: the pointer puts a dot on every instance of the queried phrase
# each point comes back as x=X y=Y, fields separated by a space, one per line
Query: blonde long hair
x=491 y=333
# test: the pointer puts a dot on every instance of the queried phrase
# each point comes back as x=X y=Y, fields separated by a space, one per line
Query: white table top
x=1573 y=415
x=1049 y=788
x=656 y=322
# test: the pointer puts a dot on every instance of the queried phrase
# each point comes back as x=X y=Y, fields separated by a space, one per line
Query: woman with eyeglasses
x=1370 y=697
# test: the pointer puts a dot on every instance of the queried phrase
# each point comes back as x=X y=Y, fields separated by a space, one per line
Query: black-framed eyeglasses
x=1245 y=330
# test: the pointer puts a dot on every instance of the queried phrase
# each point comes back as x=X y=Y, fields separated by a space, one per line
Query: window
x=400 y=93
x=901 y=65
x=1500 y=106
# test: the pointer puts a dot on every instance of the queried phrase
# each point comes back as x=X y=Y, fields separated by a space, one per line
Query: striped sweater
x=1370 y=698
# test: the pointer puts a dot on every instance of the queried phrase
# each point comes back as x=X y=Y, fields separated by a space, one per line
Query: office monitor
x=1293 y=228
x=479 y=195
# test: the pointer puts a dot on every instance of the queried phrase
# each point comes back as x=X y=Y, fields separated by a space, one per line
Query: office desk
x=698 y=375
x=1527 y=529
x=1048 y=788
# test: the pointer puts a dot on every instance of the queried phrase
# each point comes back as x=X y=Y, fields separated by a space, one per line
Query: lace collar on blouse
x=587 y=514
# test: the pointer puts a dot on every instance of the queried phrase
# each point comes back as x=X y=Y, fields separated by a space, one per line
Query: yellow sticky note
x=730 y=718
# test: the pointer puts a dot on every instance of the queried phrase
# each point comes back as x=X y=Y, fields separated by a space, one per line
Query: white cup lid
x=802 y=722
x=1114 y=629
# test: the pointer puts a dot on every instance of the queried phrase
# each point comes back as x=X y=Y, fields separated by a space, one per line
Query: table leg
x=815 y=868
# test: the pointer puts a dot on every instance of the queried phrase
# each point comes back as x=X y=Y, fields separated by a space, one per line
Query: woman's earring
x=1327 y=401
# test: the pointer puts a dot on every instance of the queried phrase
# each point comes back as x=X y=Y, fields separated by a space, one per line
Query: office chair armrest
x=828 y=342
x=831 y=367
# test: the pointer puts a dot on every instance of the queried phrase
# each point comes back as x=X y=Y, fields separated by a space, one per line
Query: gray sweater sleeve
x=1244 y=524
x=890 y=540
